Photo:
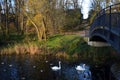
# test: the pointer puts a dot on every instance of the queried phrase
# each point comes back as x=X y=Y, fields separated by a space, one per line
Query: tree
x=52 y=14
x=97 y=5
x=46 y=17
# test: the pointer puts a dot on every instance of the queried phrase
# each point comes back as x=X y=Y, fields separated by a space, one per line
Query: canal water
x=35 y=67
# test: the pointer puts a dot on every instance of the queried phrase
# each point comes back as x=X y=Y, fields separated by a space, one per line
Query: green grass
x=69 y=43
x=59 y=41
x=74 y=44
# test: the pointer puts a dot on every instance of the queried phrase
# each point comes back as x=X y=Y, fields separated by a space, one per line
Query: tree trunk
x=36 y=27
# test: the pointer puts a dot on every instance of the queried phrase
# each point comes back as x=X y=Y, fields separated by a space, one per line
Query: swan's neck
x=83 y=65
x=59 y=65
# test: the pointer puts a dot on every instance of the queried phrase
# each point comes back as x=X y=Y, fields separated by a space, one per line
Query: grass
x=56 y=43
x=68 y=43
x=61 y=41
x=62 y=46
x=74 y=47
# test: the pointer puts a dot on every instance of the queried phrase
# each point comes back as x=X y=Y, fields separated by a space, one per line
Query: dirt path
x=83 y=33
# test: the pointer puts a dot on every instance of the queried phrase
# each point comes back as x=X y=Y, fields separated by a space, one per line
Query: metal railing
x=108 y=18
x=109 y=14
x=107 y=25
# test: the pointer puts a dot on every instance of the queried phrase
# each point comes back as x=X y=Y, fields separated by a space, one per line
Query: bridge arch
x=106 y=27
x=97 y=38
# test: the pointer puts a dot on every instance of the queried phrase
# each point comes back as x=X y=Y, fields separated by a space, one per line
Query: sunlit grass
x=58 y=41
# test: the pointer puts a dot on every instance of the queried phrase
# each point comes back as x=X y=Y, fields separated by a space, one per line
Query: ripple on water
x=10 y=65
x=2 y=63
x=23 y=78
x=34 y=66
x=41 y=70
x=115 y=69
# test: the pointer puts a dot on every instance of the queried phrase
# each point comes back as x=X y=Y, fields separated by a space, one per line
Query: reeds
x=21 y=48
x=62 y=55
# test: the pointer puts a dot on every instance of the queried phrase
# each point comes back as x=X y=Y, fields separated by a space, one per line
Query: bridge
x=106 y=26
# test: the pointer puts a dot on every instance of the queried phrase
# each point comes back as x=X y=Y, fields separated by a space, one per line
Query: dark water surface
x=29 y=67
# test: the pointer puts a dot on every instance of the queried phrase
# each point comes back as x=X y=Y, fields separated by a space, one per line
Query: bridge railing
x=108 y=17
x=110 y=9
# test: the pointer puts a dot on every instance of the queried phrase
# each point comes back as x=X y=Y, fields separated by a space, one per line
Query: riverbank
x=68 y=47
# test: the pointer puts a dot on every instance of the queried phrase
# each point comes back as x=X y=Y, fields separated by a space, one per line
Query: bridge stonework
x=106 y=26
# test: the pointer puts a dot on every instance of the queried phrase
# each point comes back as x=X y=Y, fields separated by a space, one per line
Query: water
x=29 y=67
x=115 y=69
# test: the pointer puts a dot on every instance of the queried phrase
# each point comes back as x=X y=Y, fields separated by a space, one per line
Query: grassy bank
x=75 y=47
x=61 y=46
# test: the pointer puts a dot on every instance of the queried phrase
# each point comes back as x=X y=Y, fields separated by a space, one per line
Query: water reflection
x=116 y=70
x=29 y=67
x=70 y=73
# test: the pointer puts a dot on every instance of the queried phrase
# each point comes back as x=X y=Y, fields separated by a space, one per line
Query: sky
x=86 y=4
x=85 y=8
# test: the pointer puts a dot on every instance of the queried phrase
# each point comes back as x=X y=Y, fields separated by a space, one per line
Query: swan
x=80 y=68
x=56 y=68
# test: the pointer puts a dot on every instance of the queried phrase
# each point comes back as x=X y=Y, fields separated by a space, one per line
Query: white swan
x=80 y=68
x=56 y=68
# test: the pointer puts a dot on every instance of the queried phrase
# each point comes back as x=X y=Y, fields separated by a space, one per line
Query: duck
x=56 y=68
x=80 y=68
